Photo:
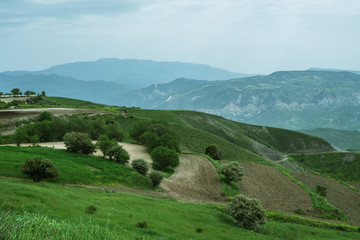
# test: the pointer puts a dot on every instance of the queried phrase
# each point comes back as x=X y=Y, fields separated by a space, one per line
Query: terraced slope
x=338 y=194
x=274 y=190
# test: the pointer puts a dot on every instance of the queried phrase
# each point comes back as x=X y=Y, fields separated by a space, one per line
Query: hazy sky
x=250 y=36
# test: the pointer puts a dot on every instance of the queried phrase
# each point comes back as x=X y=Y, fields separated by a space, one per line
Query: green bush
x=90 y=209
x=156 y=178
x=232 y=172
x=164 y=158
x=119 y=154
x=213 y=152
x=38 y=169
x=247 y=212
x=45 y=116
x=104 y=144
x=140 y=166
x=79 y=143
x=321 y=190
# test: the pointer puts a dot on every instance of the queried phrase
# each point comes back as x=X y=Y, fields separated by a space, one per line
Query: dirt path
x=195 y=180
x=274 y=190
x=338 y=194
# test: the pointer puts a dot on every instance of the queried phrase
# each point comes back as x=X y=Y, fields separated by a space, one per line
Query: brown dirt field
x=355 y=185
x=338 y=194
x=274 y=189
x=194 y=180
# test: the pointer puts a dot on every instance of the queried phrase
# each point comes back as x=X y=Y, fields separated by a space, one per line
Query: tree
x=15 y=91
x=232 y=172
x=105 y=144
x=140 y=166
x=248 y=212
x=28 y=93
x=163 y=158
x=38 y=169
x=321 y=190
x=119 y=154
x=213 y=152
x=113 y=131
x=43 y=93
x=156 y=178
x=79 y=143
x=45 y=116
x=20 y=136
x=1 y=93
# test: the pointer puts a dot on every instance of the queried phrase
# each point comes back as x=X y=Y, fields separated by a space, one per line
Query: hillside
x=344 y=139
x=291 y=100
x=138 y=73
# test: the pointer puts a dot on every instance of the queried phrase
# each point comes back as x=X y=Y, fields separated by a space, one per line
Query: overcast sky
x=249 y=36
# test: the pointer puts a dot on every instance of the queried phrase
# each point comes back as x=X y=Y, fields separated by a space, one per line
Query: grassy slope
x=73 y=168
x=121 y=212
x=341 y=166
x=348 y=140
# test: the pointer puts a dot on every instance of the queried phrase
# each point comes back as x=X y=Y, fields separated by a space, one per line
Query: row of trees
x=16 y=91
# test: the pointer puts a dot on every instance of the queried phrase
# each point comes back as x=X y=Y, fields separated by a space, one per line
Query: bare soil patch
x=338 y=194
x=194 y=180
x=274 y=190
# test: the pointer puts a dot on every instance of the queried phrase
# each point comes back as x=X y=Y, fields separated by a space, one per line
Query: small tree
x=105 y=144
x=119 y=154
x=163 y=158
x=15 y=91
x=213 y=152
x=45 y=116
x=140 y=166
x=20 y=136
x=248 y=212
x=79 y=143
x=38 y=169
x=232 y=172
x=113 y=131
x=156 y=178
x=321 y=190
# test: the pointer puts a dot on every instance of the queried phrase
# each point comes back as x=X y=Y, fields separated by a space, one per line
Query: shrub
x=140 y=166
x=156 y=178
x=141 y=224
x=321 y=190
x=163 y=158
x=45 y=116
x=105 y=144
x=232 y=172
x=213 y=152
x=38 y=169
x=20 y=136
x=79 y=143
x=247 y=212
x=90 y=209
x=119 y=154
x=114 y=132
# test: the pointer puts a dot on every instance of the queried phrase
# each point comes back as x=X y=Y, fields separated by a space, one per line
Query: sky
x=247 y=36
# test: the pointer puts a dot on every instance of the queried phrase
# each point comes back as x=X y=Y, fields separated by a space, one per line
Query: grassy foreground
x=60 y=210
x=73 y=168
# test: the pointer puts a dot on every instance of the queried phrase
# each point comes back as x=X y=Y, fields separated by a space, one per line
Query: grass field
x=73 y=168
x=51 y=207
x=341 y=166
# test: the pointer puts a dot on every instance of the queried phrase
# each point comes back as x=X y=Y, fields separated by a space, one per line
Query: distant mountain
x=54 y=85
x=291 y=100
x=140 y=73
x=333 y=70
x=344 y=139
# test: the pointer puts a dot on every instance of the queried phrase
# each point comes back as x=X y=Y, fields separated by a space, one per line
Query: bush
x=38 y=169
x=156 y=178
x=213 y=152
x=321 y=190
x=90 y=209
x=163 y=158
x=45 y=116
x=140 y=166
x=232 y=172
x=141 y=224
x=79 y=143
x=114 y=132
x=119 y=154
x=248 y=212
x=105 y=144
